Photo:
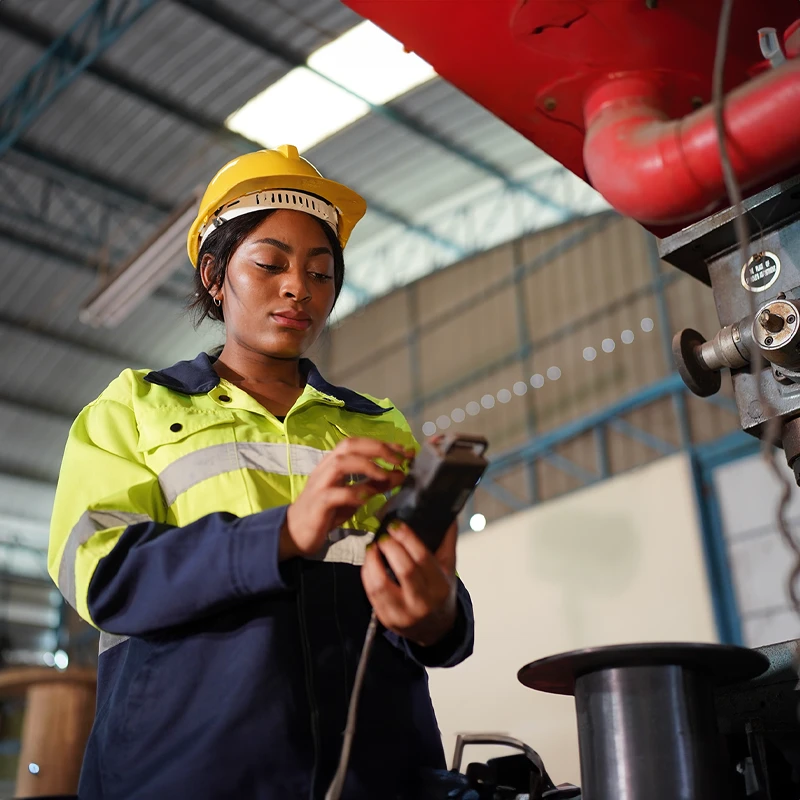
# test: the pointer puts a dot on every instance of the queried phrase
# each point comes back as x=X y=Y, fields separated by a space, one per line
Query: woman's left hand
x=423 y=607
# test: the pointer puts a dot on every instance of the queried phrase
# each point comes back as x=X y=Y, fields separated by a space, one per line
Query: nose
x=295 y=286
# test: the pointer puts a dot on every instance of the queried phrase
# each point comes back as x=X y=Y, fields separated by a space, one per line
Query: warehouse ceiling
x=113 y=113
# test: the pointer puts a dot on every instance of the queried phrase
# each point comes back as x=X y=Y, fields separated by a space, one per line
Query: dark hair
x=222 y=245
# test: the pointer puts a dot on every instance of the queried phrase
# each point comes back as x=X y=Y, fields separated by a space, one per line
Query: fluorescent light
x=142 y=274
x=371 y=64
x=309 y=104
x=300 y=109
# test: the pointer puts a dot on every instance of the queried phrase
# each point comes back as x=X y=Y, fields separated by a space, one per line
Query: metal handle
x=464 y=739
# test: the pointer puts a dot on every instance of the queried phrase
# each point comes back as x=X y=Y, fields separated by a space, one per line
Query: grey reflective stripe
x=87 y=526
x=194 y=468
x=345 y=546
x=305 y=458
x=109 y=640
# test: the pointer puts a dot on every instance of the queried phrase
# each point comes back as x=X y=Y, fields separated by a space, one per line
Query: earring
x=217 y=302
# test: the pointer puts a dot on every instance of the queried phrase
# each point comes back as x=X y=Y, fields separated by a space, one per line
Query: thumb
x=446 y=554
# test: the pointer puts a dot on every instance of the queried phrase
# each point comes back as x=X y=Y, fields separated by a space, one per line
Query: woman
x=213 y=521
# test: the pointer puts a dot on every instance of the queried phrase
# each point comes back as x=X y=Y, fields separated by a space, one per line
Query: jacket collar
x=198 y=377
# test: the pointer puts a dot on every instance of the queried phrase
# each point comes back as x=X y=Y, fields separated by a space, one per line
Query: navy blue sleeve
x=159 y=576
x=457 y=644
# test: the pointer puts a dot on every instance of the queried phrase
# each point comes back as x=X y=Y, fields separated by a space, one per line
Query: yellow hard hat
x=274 y=179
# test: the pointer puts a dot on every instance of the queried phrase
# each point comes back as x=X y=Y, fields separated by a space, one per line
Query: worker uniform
x=222 y=672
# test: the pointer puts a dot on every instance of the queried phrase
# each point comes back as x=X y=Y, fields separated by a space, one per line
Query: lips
x=292 y=320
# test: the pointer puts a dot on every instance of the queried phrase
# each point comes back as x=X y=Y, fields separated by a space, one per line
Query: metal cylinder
x=790 y=438
x=725 y=350
x=648 y=732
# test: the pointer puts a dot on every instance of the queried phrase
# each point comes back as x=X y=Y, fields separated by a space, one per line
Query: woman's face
x=279 y=286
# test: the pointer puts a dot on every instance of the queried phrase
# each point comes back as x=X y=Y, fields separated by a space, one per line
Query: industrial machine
x=685 y=116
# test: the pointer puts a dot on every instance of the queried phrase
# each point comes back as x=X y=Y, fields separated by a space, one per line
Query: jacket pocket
x=162 y=427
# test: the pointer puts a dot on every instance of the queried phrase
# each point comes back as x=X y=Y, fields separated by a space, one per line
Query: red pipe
x=662 y=171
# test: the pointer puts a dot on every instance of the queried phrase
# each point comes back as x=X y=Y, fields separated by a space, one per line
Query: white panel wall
x=748 y=493
x=616 y=563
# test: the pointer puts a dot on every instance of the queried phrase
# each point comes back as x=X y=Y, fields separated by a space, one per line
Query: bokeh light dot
x=504 y=396
x=589 y=353
x=608 y=345
x=554 y=373
x=477 y=522
x=487 y=401
x=537 y=381
x=458 y=415
x=443 y=422
x=627 y=336
x=429 y=428
x=473 y=408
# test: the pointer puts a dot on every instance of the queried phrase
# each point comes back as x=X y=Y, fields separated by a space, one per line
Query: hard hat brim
x=349 y=204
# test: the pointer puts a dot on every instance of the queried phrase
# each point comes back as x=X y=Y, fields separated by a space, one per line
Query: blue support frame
x=102 y=24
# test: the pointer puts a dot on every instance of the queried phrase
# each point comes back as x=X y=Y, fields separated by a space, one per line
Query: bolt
x=768 y=341
x=778 y=374
x=782 y=296
x=550 y=104
x=790 y=319
x=771 y=322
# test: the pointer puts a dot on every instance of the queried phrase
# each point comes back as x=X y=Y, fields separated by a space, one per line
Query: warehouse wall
x=500 y=317
x=617 y=563
x=760 y=560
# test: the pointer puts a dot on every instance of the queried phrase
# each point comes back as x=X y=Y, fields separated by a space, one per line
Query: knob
x=699 y=379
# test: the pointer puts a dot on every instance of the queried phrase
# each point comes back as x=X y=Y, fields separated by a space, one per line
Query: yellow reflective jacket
x=165 y=530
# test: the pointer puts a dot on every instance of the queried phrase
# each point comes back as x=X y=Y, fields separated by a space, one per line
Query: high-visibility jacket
x=222 y=672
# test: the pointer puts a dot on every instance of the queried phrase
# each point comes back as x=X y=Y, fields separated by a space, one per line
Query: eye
x=270 y=267
x=321 y=277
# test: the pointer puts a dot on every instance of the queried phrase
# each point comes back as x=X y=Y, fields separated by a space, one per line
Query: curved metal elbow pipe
x=663 y=171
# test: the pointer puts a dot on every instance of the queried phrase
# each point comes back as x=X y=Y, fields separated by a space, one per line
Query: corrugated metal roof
x=147 y=119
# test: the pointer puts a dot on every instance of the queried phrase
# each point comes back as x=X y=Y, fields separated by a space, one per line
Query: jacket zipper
x=312 y=702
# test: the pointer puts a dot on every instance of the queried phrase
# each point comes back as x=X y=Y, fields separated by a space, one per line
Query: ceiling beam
x=32 y=328
x=94 y=178
x=66 y=58
x=32 y=31
x=166 y=291
x=31 y=406
x=222 y=16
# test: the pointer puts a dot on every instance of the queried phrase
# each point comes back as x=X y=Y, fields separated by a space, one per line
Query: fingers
x=446 y=554
x=383 y=593
x=410 y=574
x=411 y=543
x=341 y=466
x=422 y=607
x=374 y=448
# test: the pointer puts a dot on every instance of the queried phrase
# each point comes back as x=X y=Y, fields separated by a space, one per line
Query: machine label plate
x=761 y=271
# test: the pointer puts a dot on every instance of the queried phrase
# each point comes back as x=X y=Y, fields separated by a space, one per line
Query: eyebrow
x=314 y=251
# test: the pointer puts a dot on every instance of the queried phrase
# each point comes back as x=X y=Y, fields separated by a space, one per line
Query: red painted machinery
x=619 y=91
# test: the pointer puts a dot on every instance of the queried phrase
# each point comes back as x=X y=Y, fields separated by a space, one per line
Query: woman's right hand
x=327 y=501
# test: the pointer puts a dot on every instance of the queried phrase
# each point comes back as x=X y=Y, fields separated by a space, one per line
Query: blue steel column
x=415 y=407
x=715 y=551
x=665 y=331
x=525 y=353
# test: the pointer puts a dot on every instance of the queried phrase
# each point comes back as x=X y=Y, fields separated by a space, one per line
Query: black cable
x=773 y=426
